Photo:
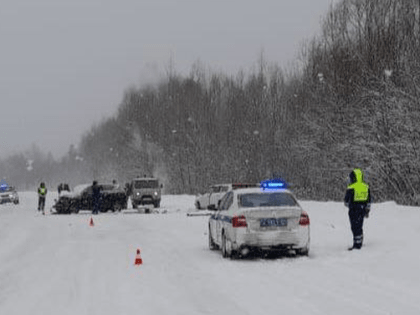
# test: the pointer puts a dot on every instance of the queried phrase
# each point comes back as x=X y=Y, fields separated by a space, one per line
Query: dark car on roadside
x=112 y=198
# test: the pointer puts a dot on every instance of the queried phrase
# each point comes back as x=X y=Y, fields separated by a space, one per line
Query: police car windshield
x=146 y=184
x=276 y=199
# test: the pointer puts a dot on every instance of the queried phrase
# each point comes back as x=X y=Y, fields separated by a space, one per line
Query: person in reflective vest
x=357 y=199
x=42 y=194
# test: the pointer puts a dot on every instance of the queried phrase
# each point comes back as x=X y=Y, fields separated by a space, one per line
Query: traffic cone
x=138 y=260
x=91 y=222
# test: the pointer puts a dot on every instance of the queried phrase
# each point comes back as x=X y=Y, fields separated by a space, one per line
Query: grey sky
x=64 y=64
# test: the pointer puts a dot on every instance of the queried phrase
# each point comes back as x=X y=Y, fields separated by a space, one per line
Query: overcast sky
x=65 y=64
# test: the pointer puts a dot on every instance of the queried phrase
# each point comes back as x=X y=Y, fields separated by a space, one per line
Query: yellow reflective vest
x=360 y=188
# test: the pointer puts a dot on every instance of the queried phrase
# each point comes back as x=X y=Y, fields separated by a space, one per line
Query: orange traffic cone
x=91 y=222
x=138 y=260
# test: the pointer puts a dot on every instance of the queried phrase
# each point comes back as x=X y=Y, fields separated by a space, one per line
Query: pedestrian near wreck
x=357 y=199
x=42 y=194
x=96 y=197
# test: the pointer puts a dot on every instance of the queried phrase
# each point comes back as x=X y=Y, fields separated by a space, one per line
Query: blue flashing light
x=3 y=185
x=273 y=184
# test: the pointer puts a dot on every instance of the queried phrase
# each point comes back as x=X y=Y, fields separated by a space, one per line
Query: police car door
x=221 y=216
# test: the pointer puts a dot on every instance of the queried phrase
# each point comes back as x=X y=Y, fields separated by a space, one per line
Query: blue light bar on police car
x=3 y=185
x=273 y=184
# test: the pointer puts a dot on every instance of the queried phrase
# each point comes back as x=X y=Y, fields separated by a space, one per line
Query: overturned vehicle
x=112 y=198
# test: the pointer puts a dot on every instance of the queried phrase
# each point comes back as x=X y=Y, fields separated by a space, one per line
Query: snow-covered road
x=58 y=264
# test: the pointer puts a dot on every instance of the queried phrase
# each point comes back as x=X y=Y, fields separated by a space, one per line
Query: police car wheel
x=224 y=252
x=212 y=244
x=303 y=251
x=226 y=247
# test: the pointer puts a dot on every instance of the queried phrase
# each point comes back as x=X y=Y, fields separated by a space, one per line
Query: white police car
x=8 y=194
x=266 y=218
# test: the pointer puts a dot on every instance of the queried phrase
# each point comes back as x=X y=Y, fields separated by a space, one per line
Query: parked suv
x=145 y=190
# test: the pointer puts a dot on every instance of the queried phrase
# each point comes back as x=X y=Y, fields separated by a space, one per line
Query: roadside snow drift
x=59 y=264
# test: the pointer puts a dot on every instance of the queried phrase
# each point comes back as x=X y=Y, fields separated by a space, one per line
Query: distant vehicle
x=145 y=190
x=268 y=218
x=211 y=198
x=63 y=187
x=8 y=194
x=112 y=198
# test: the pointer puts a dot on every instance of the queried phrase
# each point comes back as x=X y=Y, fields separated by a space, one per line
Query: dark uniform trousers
x=41 y=203
x=357 y=214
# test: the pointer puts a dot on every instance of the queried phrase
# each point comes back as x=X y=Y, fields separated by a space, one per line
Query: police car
x=8 y=194
x=266 y=217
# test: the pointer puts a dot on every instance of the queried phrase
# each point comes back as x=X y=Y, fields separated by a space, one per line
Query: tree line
x=351 y=99
x=26 y=170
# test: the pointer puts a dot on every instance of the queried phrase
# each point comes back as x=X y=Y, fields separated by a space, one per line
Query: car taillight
x=304 y=219
x=239 y=221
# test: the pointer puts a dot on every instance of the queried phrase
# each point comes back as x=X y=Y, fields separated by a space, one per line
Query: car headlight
x=138 y=194
x=156 y=193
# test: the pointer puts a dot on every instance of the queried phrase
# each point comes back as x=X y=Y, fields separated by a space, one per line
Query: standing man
x=42 y=194
x=96 y=196
x=357 y=199
x=60 y=188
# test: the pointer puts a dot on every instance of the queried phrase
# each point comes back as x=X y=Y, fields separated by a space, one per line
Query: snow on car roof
x=79 y=188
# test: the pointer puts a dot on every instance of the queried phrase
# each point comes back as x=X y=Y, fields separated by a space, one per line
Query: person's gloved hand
x=367 y=210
